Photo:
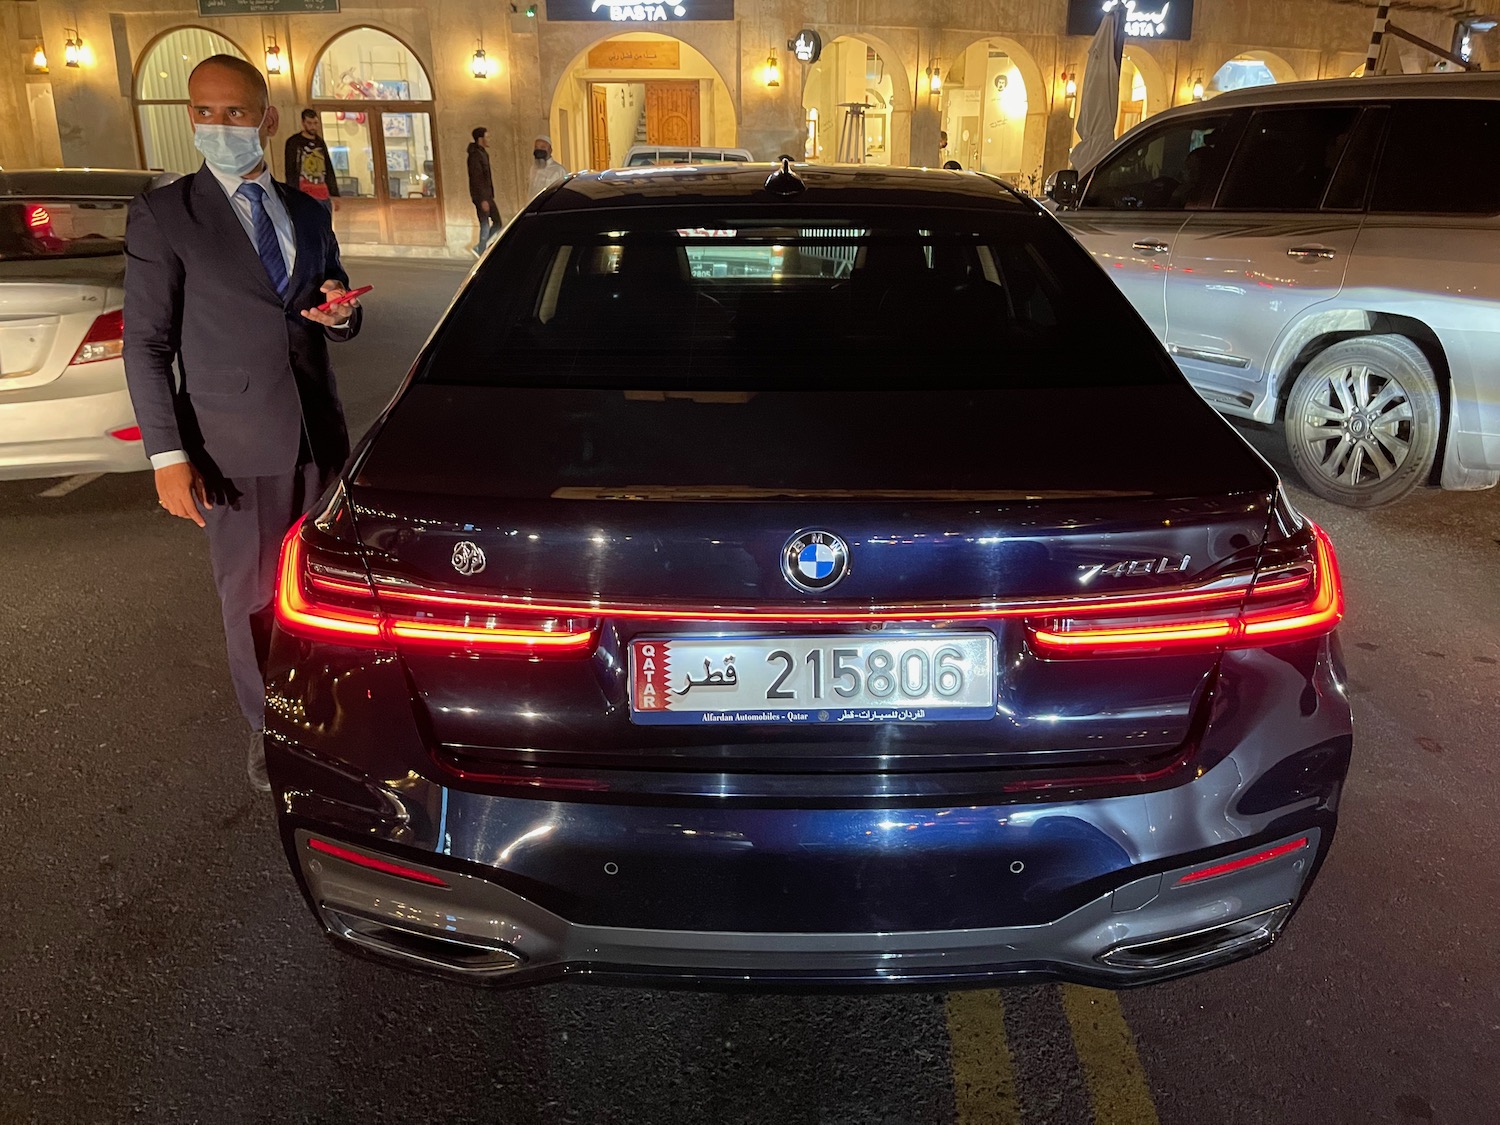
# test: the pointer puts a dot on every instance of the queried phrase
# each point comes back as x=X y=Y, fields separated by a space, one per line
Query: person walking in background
x=225 y=270
x=308 y=167
x=482 y=187
x=544 y=170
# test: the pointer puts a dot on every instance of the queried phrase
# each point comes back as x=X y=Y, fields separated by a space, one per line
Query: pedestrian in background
x=308 y=166
x=544 y=170
x=482 y=187
x=224 y=272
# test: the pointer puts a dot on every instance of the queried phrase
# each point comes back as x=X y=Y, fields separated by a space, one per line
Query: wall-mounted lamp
x=73 y=48
x=935 y=77
x=479 y=65
x=1070 y=85
x=39 y=59
x=273 y=56
x=772 y=76
x=1198 y=90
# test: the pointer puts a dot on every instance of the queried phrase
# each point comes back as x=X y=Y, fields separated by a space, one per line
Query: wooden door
x=672 y=113
x=1130 y=116
x=599 y=128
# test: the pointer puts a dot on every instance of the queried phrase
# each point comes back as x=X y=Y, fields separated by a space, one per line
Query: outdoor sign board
x=1144 y=19
x=807 y=47
x=640 y=11
x=264 y=7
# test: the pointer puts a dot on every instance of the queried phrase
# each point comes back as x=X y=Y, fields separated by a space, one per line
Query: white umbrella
x=1099 y=100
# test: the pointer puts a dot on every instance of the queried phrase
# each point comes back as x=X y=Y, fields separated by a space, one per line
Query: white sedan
x=64 y=408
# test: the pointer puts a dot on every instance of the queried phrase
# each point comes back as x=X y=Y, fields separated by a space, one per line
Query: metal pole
x=1377 y=35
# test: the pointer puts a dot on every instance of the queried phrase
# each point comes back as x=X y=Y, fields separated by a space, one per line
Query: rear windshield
x=49 y=228
x=670 y=300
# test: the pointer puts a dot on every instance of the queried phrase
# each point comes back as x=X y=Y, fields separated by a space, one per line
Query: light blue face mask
x=231 y=149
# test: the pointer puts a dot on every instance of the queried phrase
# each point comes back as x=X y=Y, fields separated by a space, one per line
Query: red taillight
x=1290 y=603
x=384 y=866
x=126 y=433
x=38 y=218
x=331 y=604
x=1242 y=863
x=106 y=339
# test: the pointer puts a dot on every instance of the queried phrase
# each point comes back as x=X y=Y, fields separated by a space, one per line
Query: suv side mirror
x=1062 y=187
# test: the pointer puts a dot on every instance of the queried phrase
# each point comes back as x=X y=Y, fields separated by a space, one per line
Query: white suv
x=1325 y=254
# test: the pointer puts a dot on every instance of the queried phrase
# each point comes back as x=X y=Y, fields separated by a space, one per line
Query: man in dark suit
x=225 y=270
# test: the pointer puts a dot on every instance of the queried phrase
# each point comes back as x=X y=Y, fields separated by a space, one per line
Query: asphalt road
x=157 y=964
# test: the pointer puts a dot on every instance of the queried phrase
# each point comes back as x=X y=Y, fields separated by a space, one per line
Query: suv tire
x=1362 y=421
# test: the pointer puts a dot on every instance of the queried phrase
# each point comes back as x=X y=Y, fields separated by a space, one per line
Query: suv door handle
x=1306 y=252
x=1150 y=246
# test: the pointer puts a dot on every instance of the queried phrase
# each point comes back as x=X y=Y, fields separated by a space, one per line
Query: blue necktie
x=267 y=245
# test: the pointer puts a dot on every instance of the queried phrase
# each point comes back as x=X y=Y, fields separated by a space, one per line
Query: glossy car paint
x=57 y=419
x=1225 y=288
x=576 y=841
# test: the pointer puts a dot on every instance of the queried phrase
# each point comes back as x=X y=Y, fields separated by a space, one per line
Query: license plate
x=837 y=680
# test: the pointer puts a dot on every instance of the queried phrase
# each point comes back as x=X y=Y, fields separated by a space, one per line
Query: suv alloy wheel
x=1362 y=421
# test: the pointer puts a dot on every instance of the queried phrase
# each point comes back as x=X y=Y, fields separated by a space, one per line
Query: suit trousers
x=246 y=525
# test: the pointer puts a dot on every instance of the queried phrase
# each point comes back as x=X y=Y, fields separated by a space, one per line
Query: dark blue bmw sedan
x=803 y=576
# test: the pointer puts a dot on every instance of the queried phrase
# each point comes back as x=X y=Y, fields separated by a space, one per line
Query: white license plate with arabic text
x=875 y=678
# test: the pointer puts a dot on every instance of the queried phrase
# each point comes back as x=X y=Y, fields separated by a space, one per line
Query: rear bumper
x=1150 y=928
x=63 y=427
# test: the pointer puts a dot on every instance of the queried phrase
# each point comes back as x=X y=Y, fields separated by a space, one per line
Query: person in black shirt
x=482 y=188
x=309 y=169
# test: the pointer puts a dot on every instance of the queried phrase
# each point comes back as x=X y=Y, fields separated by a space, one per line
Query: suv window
x=1441 y=156
x=1167 y=169
x=1287 y=158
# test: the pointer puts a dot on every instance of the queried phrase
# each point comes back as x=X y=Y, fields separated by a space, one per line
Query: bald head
x=221 y=70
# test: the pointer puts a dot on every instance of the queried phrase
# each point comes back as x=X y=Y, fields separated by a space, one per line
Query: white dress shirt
x=274 y=208
x=285 y=234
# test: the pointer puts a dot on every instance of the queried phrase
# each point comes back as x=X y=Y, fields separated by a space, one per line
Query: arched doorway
x=638 y=88
x=161 y=97
x=993 y=111
x=374 y=99
x=1253 y=68
x=1143 y=89
x=857 y=106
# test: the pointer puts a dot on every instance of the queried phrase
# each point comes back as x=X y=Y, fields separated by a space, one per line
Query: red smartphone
x=349 y=295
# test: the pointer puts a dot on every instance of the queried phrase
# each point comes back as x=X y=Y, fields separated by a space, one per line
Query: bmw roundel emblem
x=813 y=561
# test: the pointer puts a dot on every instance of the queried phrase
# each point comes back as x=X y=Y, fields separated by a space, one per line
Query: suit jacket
x=255 y=375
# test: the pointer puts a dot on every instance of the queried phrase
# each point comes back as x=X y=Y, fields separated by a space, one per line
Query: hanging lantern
x=773 y=71
x=73 y=51
x=39 y=59
x=273 y=58
x=479 y=65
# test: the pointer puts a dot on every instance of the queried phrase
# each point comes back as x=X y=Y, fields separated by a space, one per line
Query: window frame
x=1361 y=109
x=1234 y=124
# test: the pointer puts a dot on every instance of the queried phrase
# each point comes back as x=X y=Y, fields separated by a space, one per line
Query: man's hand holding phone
x=335 y=311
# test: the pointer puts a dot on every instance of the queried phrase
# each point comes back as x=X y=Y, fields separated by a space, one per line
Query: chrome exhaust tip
x=1226 y=940
x=435 y=950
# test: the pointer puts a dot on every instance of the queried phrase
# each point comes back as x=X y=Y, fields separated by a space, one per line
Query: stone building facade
x=991 y=83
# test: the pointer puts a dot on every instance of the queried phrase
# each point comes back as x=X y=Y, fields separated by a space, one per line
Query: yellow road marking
x=984 y=1082
x=1106 y=1049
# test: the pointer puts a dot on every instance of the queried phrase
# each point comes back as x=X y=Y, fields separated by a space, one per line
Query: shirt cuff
x=170 y=457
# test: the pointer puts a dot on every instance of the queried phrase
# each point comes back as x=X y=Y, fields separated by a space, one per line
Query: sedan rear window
x=752 y=302
x=52 y=228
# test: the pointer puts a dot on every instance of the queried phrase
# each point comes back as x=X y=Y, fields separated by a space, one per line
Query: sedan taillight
x=331 y=599
x=1296 y=598
x=106 y=340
